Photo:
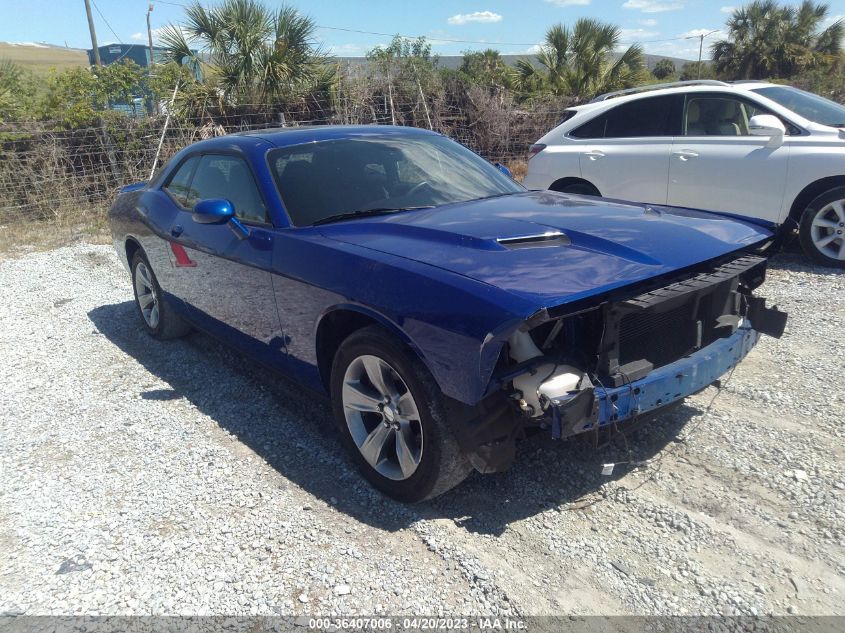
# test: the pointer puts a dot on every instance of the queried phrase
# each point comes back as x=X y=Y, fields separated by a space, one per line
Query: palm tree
x=255 y=54
x=770 y=40
x=582 y=62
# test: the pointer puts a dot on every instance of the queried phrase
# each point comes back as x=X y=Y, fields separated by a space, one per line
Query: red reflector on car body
x=535 y=149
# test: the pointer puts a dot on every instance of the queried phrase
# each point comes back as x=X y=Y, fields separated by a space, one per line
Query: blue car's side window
x=179 y=184
x=229 y=177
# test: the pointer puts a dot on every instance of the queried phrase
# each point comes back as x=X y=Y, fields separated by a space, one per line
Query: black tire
x=577 y=188
x=169 y=325
x=442 y=464
x=816 y=208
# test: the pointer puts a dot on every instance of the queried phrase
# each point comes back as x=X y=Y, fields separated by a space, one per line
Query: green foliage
x=767 y=39
x=581 y=62
x=78 y=97
x=403 y=55
x=828 y=82
x=163 y=79
x=118 y=83
x=664 y=69
x=71 y=98
x=697 y=70
x=17 y=90
x=257 y=55
x=487 y=69
x=405 y=72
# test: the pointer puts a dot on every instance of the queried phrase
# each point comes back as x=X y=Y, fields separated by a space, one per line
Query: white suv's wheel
x=822 y=231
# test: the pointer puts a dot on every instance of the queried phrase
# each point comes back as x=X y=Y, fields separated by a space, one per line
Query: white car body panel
x=630 y=172
x=704 y=174
x=818 y=155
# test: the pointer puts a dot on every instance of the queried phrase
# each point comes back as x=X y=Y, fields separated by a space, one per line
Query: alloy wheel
x=382 y=417
x=146 y=295
x=827 y=230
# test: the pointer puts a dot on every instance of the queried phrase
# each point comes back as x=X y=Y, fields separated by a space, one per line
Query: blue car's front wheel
x=390 y=415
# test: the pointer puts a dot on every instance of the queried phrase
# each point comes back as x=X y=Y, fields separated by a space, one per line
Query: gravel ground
x=139 y=477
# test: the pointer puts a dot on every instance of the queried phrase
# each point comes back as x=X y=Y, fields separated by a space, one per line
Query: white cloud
x=832 y=19
x=633 y=35
x=652 y=6
x=648 y=22
x=569 y=3
x=348 y=50
x=711 y=34
x=685 y=49
x=728 y=9
x=141 y=36
x=478 y=16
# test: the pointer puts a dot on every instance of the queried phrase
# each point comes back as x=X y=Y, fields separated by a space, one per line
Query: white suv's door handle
x=594 y=154
x=685 y=154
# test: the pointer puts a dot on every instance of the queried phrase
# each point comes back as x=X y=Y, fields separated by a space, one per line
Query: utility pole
x=97 y=61
x=150 y=37
x=701 y=48
x=152 y=54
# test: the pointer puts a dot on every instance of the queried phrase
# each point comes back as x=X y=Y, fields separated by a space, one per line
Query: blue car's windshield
x=331 y=178
x=810 y=106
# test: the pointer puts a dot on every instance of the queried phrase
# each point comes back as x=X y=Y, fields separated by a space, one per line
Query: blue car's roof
x=283 y=136
x=255 y=142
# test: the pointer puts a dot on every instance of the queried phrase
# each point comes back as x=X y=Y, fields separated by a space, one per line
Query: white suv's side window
x=649 y=117
x=718 y=116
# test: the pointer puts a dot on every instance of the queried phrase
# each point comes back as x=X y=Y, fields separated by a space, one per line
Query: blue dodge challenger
x=447 y=311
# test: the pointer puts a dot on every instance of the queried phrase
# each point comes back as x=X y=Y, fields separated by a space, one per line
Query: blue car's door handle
x=176 y=231
x=261 y=240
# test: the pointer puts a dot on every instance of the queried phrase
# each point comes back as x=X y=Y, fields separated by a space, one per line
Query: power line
x=106 y=21
x=432 y=39
x=457 y=41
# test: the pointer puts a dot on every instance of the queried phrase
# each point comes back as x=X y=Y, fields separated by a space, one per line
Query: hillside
x=40 y=58
x=454 y=61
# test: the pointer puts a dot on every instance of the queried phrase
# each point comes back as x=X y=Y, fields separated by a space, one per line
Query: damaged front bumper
x=598 y=406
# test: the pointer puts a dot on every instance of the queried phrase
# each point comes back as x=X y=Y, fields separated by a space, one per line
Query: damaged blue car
x=447 y=311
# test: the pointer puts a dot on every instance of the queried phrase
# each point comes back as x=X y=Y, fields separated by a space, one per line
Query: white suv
x=753 y=149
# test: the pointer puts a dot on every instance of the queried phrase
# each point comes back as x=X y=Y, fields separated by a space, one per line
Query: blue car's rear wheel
x=390 y=414
x=156 y=314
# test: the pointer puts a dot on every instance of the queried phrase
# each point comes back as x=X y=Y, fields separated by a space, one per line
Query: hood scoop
x=540 y=240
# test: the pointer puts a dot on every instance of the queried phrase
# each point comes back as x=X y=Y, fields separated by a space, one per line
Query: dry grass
x=17 y=239
x=519 y=169
x=40 y=60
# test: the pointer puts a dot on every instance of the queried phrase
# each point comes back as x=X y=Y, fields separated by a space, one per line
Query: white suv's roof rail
x=673 y=84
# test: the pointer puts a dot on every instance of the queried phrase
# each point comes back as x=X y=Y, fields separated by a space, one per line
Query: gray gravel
x=139 y=477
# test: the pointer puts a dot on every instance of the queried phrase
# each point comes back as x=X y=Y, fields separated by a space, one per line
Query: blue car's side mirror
x=504 y=170
x=213 y=211
x=219 y=211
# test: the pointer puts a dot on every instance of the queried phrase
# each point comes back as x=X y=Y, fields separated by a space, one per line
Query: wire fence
x=57 y=175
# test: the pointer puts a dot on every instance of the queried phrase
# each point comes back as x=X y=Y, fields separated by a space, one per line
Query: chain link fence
x=54 y=175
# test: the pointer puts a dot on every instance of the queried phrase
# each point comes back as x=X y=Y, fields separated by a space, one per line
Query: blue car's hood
x=610 y=244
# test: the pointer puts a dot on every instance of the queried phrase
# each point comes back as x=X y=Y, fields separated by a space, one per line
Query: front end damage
x=579 y=368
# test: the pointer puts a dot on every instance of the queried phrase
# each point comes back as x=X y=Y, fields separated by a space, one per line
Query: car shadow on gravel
x=796 y=261
x=791 y=257
x=566 y=476
x=292 y=430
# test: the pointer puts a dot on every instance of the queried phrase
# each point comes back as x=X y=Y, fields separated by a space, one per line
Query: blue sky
x=511 y=26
